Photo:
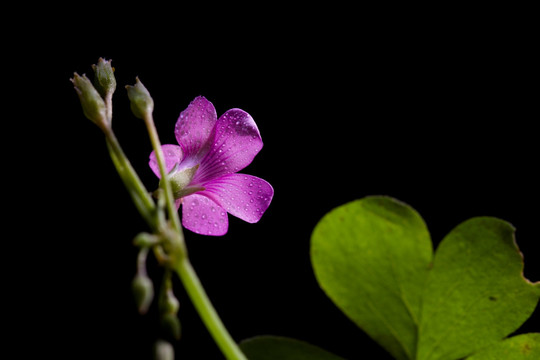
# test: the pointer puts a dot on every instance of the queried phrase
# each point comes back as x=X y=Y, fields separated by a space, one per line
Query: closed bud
x=104 y=80
x=143 y=291
x=145 y=240
x=93 y=105
x=170 y=305
x=163 y=350
x=142 y=103
x=171 y=325
x=168 y=308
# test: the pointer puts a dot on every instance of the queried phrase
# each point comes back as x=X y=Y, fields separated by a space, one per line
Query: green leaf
x=372 y=257
x=520 y=347
x=273 y=348
x=476 y=293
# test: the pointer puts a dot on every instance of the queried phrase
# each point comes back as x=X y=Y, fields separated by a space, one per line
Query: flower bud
x=104 y=80
x=145 y=240
x=171 y=325
x=170 y=305
x=143 y=291
x=163 y=350
x=93 y=105
x=141 y=102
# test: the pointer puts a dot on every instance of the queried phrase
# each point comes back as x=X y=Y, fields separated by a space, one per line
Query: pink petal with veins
x=203 y=216
x=244 y=196
x=237 y=140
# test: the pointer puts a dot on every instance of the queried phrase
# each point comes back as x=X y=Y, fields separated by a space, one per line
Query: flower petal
x=173 y=155
x=244 y=196
x=203 y=216
x=194 y=128
x=237 y=140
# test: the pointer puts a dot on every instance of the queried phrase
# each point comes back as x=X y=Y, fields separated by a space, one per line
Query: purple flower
x=203 y=168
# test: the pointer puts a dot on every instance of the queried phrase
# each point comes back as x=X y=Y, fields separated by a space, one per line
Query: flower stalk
x=165 y=183
x=140 y=196
x=142 y=106
x=167 y=239
x=207 y=312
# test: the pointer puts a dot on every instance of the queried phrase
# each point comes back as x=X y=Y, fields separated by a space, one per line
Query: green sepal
x=180 y=181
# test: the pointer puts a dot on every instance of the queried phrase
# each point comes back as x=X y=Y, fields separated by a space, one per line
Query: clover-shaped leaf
x=519 y=347
x=373 y=258
x=476 y=294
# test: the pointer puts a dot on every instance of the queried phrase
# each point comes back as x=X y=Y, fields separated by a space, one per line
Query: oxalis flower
x=203 y=168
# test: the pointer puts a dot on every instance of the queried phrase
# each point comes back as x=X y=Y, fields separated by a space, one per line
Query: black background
x=435 y=107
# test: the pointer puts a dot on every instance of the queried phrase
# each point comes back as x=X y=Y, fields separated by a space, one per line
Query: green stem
x=208 y=314
x=142 y=199
x=169 y=198
x=180 y=260
x=108 y=107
